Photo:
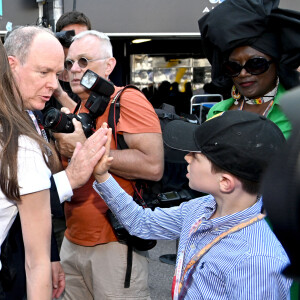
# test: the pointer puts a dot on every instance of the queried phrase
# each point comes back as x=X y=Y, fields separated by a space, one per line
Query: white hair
x=106 y=47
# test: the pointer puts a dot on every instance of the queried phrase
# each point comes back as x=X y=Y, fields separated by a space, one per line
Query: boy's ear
x=227 y=183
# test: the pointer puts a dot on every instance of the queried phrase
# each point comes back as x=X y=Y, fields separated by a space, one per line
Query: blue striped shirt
x=246 y=264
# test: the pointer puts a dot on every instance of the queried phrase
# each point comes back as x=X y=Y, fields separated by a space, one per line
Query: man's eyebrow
x=47 y=69
x=44 y=68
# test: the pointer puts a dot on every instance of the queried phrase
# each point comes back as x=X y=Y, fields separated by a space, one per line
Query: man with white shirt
x=36 y=58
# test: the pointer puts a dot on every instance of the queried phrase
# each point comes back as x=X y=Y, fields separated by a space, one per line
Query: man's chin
x=36 y=106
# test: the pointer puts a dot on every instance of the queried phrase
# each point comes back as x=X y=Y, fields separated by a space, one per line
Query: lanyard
x=181 y=284
x=38 y=125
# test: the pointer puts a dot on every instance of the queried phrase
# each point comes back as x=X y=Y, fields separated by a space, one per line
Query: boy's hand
x=101 y=170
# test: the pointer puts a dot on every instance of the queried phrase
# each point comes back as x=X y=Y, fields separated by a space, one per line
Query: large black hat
x=256 y=23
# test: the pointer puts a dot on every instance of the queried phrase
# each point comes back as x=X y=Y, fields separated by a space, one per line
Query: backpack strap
x=114 y=116
x=113 y=119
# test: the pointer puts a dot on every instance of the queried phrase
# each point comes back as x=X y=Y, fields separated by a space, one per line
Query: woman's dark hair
x=72 y=17
x=249 y=187
x=15 y=122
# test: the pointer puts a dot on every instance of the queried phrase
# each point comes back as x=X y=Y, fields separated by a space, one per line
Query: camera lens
x=58 y=121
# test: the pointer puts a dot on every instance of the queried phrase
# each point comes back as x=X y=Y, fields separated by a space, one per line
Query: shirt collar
x=224 y=223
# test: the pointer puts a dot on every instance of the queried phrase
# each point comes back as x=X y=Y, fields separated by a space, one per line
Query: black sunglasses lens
x=68 y=64
x=82 y=62
x=256 y=66
x=232 y=68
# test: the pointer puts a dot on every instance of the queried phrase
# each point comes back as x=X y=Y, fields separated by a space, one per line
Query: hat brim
x=180 y=135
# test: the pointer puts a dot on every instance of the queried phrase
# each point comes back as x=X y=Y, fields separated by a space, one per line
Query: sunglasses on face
x=82 y=62
x=254 y=66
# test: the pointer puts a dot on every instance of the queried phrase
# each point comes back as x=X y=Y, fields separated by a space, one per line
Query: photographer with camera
x=67 y=26
x=94 y=261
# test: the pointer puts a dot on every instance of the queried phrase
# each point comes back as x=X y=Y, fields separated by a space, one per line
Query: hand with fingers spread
x=102 y=167
x=85 y=158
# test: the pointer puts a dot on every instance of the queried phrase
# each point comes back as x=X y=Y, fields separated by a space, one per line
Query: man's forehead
x=46 y=44
x=86 y=46
x=44 y=38
x=46 y=53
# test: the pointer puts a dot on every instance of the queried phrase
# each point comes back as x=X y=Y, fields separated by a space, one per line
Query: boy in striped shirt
x=226 y=248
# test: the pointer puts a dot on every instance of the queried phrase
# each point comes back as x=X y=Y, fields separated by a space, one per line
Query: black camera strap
x=77 y=108
x=114 y=116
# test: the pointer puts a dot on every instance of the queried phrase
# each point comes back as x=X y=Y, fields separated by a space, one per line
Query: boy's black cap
x=239 y=142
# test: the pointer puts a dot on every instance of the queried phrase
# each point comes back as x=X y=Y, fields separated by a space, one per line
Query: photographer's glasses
x=254 y=66
x=82 y=62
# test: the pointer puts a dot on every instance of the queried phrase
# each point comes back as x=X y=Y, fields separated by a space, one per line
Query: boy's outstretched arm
x=138 y=221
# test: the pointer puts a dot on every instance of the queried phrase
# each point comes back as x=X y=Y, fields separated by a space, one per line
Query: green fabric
x=294 y=291
x=275 y=114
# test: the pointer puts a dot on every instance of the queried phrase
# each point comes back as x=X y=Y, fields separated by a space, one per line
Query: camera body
x=101 y=90
x=65 y=37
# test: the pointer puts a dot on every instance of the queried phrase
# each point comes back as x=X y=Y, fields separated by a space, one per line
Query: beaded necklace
x=266 y=110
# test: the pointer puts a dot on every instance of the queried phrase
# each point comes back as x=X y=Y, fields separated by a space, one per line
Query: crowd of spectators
x=227 y=249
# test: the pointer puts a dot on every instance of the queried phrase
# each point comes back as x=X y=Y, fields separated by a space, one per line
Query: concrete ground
x=161 y=274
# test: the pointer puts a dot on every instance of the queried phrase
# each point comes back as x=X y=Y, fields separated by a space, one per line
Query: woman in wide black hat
x=254 y=47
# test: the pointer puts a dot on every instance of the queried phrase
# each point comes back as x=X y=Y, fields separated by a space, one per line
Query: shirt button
x=193 y=246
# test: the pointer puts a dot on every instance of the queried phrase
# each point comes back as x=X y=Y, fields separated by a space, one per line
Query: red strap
x=173 y=286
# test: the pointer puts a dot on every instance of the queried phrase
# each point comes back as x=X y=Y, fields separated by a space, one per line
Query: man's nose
x=53 y=82
x=75 y=67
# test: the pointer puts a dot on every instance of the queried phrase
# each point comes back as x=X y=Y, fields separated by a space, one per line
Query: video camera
x=65 y=37
x=101 y=90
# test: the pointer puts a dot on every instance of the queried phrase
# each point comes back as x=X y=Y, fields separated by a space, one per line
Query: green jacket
x=275 y=114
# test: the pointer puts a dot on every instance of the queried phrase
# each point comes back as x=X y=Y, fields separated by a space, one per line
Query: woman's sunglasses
x=254 y=66
x=82 y=62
